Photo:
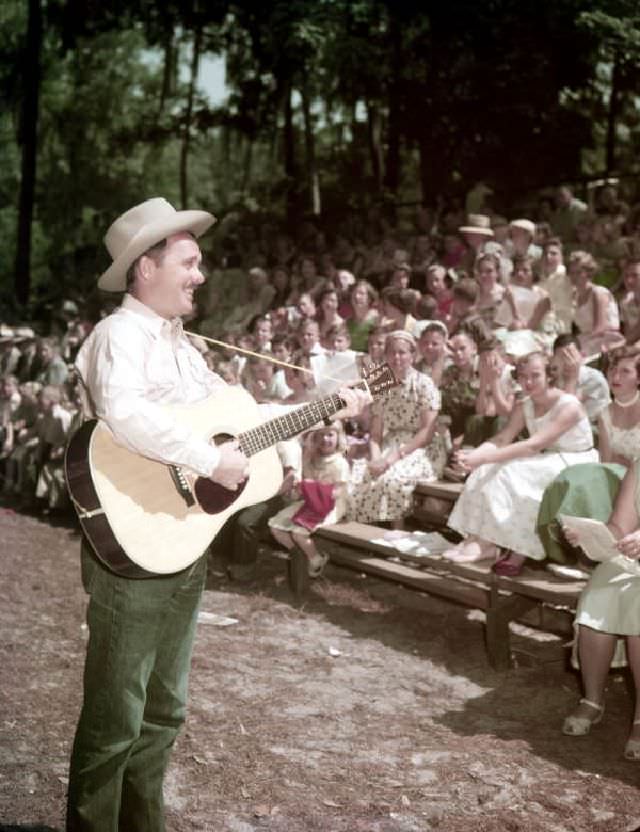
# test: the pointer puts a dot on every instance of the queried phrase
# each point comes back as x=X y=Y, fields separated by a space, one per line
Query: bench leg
x=297 y=574
x=497 y=634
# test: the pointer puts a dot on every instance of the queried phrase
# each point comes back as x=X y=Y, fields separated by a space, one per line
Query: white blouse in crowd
x=132 y=365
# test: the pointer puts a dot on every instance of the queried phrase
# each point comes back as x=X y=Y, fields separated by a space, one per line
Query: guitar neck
x=290 y=424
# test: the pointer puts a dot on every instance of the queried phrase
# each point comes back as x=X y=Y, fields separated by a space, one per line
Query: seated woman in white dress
x=608 y=618
x=498 y=507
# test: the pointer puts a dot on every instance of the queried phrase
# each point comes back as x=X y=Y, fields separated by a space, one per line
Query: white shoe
x=317 y=565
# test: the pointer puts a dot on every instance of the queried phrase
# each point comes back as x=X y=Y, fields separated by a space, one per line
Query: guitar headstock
x=379 y=378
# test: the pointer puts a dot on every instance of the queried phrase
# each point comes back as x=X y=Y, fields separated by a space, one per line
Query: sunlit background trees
x=329 y=105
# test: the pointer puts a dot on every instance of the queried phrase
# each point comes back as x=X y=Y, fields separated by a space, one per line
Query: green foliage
x=367 y=94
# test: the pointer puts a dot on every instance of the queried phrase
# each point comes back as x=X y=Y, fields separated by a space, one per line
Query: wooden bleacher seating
x=536 y=596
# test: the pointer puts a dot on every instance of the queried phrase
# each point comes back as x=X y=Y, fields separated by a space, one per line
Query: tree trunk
x=247 y=163
x=374 y=139
x=186 y=133
x=612 y=115
x=392 y=173
x=168 y=70
x=310 y=150
x=288 y=135
x=28 y=140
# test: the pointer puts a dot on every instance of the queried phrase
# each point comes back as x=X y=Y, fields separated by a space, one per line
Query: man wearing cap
x=141 y=631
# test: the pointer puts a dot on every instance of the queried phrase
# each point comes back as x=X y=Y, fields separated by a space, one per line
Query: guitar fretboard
x=289 y=424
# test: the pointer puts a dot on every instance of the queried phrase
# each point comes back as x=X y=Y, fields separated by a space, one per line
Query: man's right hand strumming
x=233 y=467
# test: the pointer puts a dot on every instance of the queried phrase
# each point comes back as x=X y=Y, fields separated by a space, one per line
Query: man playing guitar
x=141 y=630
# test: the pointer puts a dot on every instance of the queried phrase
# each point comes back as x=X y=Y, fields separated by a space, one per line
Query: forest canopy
x=331 y=105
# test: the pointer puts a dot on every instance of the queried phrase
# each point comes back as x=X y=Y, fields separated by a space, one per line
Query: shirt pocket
x=162 y=376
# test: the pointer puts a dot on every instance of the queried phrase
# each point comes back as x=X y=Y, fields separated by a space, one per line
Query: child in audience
x=323 y=490
x=433 y=352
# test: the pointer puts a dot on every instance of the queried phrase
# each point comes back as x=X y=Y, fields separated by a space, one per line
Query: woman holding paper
x=498 y=507
x=590 y=490
x=608 y=617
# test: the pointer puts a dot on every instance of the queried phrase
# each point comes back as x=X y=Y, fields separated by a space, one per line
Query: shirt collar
x=155 y=323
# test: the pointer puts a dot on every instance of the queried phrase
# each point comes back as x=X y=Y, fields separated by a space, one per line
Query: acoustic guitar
x=145 y=518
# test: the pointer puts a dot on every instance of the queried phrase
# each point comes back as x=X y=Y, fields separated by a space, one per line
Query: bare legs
x=316 y=561
x=596 y=651
x=633 y=655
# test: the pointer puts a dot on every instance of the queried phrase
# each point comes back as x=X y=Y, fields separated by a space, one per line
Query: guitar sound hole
x=212 y=496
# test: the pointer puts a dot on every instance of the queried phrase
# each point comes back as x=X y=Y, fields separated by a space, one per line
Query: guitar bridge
x=182 y=485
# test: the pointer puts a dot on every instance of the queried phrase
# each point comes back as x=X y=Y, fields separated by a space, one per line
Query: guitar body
x=132 y=511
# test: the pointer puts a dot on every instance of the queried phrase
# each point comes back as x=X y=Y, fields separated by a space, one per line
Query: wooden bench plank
x=525 y=597
x=440 y=488
x=454 y=590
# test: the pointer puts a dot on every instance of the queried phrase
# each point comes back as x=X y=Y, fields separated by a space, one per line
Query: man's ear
x=145 y=267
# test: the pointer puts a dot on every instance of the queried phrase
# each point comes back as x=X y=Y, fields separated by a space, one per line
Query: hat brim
x=473 y=229
x=115 y=277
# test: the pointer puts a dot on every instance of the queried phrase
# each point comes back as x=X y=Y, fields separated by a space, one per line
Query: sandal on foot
x=632 y=748
x=579 y=726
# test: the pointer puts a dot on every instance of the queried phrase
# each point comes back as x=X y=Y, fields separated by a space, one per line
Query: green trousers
x=136 y=674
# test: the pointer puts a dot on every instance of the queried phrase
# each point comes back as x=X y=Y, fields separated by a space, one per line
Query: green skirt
x=587 y=490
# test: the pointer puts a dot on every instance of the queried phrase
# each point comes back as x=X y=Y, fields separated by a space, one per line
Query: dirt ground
x=368 y=709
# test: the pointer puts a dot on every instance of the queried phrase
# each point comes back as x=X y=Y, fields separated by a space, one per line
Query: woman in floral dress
x=405 y=448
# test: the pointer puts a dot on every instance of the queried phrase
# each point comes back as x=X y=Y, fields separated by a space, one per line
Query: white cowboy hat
x=140 y=228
